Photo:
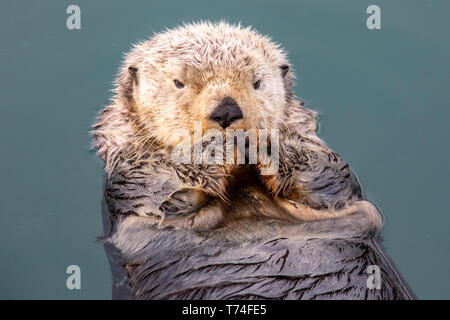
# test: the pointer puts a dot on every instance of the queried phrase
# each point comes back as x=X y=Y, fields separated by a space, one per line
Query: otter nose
x=226 y=112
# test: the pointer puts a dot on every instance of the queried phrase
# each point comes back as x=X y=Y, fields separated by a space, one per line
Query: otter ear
x=287 y=81
x=133 y=72
x=127 y=84
x=284 y=70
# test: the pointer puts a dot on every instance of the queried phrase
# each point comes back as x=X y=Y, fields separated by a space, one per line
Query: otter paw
x=184 y=201
x=206 y=218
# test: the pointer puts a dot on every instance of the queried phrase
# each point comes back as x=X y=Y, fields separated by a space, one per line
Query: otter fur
x=137 y=132
x=187 y=76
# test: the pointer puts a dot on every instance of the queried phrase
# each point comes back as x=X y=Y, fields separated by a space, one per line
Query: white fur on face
x=213 y=61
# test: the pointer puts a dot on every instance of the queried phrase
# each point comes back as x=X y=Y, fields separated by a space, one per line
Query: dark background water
x=383 y=96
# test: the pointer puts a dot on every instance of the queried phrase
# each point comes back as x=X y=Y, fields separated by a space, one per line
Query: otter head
x=219 y=75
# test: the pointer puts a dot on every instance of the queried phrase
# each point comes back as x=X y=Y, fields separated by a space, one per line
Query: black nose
x=226 y=112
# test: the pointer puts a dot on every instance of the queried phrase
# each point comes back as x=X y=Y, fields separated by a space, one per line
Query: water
x=383 y=98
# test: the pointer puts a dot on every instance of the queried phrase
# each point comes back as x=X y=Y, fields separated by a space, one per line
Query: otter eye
x=257 y=84
x=178 y=84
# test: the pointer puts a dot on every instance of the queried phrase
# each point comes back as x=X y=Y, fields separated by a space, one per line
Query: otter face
x=222 y=76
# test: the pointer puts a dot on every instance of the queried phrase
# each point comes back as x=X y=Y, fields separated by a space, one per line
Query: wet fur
x=226 y=232
x=134 y=135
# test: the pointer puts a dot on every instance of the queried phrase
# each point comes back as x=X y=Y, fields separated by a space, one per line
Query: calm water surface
x=383 y=98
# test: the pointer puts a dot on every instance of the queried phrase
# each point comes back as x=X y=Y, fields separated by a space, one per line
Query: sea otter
x=222 y=77
x=228 y=230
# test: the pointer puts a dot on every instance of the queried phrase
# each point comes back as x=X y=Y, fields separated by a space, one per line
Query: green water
x=383 y=96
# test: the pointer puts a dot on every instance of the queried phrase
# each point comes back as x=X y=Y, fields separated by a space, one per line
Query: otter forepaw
x=205 y=218
x=184 y=201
